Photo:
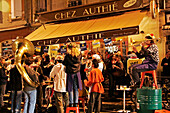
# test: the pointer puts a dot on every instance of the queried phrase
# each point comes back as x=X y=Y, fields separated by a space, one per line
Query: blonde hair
x=73 y=49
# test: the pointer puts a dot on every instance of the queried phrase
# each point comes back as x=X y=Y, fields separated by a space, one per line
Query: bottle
x=153 y=85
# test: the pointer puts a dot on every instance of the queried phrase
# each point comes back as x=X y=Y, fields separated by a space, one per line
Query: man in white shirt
x=59 y=75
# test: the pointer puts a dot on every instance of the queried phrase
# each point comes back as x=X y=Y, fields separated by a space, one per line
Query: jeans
x=74 y=93
x=16 y=98
x=94 y=102
x=2 y=93
x=30 y=101
x=61 y=98
x=40 y=96
x=135 y=71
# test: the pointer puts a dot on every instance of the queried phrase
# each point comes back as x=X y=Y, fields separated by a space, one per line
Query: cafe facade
x=121 y=21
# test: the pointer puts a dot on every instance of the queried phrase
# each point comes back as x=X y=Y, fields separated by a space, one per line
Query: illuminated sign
x=107 y=7
x=167 y=17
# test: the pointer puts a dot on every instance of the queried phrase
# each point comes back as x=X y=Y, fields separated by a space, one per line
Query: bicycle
x=166 y=94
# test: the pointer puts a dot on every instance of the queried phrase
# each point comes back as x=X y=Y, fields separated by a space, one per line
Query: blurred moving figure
x=59 y=75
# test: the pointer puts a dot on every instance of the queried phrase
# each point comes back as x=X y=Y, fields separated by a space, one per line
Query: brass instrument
x=138 y=42
x=23 y=47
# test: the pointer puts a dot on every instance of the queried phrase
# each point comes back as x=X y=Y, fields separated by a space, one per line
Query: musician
x=149 y=50
x=30 y=92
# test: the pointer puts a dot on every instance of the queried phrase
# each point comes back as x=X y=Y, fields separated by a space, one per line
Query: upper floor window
x=74 y=3
x=16 y=9
x=0 y=13
x=0 y=16
x=42 y=6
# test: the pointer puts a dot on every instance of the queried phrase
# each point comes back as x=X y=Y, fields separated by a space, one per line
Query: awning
x=112 y=25
x=12 y=33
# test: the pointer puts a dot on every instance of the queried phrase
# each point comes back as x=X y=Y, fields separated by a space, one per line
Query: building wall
x=6 y=20
x=152 y=26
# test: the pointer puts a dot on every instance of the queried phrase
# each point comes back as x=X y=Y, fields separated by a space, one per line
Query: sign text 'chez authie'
x=90 y=10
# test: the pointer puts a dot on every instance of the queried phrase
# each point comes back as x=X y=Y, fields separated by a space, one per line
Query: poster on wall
x=54 y=50
x=83 y=46
x=107 y=41
x=46 y=48
x=38 y=49
x=96 y=44
x=63 y=49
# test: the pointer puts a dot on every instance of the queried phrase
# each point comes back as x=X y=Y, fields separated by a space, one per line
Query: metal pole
x=124 y=100
x=164 y=4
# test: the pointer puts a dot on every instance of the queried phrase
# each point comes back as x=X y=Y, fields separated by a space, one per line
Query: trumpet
x=139 y=42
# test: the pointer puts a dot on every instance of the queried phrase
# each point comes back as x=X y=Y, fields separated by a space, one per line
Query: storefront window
x=16 y=9
x=74 y=3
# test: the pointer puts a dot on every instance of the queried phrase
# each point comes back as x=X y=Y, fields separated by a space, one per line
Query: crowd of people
x=72 y=72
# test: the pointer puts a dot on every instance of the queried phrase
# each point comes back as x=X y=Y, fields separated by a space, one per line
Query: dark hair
x=129 y=52
x=12 y=61
x=53 y=58
x=59 y=61
x=167 y=52
x=95 y=63
x=36 y=60
x=149 y=37
x=28 y=62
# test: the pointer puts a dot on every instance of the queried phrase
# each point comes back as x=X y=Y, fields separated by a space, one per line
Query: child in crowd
x=94 y=80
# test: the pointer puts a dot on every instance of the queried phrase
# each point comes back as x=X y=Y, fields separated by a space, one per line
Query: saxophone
x=23 y=47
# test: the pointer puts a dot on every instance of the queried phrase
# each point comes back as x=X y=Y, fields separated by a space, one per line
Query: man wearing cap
x=149 y=50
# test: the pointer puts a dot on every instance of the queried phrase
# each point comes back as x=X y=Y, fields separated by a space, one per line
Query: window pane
x=42 y=5
x=0 y=16
x=74 y=3
x=16 y=8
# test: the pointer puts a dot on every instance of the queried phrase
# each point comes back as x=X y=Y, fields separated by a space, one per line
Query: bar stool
x=153 y=72
x=83 y=99
x=72 y=108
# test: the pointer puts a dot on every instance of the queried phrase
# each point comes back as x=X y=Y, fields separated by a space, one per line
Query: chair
x=73 y=109
x=83 y=100
x=153 y=72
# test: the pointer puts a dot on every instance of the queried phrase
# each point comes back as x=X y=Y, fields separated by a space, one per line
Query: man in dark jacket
x=16 y=89
x=3 y=81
